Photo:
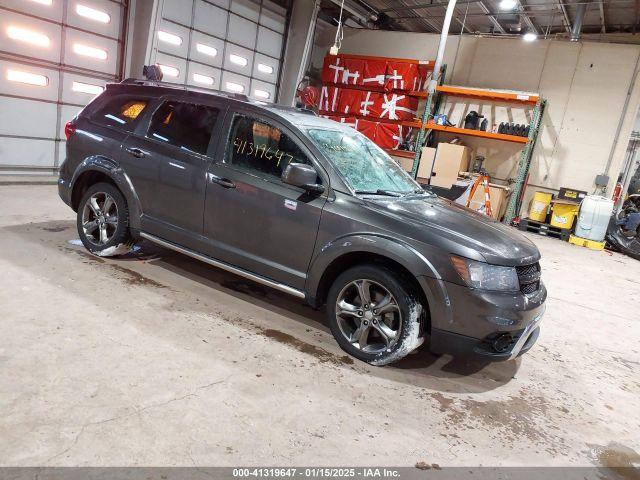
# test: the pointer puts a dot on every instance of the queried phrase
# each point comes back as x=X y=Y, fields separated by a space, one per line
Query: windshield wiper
x=379 y=191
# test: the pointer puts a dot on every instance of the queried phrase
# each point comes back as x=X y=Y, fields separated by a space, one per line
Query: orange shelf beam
x=400 y=153
x=479 y=94
x=478 y=133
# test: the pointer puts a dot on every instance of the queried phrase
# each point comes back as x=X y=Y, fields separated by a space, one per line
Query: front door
x=252 y=219
x=169 y=160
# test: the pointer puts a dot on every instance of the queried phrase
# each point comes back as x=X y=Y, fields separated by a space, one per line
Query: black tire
x=118 y=237
x=406 y=302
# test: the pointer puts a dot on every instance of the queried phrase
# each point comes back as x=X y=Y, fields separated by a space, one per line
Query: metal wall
x=55 y=55
x=231 y=45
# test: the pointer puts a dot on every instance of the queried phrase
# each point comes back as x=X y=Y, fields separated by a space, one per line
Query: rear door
x=252 y=219
x=167 y=161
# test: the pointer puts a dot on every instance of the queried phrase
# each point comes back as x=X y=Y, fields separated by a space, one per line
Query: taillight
x=69 y=129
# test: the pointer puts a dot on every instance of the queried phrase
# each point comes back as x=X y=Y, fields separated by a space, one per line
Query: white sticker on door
x=290 y=204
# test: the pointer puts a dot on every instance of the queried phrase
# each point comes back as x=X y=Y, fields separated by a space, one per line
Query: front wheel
x=103 y=221
x=374 y=315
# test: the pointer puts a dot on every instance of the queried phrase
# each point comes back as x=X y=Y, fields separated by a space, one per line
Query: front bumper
x=493 y=325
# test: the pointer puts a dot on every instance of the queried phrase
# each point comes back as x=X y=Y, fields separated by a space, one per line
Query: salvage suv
x=304 y=205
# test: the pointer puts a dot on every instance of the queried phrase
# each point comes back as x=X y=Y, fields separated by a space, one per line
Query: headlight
x=486 y=277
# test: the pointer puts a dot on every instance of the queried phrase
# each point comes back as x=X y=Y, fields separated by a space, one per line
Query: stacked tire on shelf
x=373 y=94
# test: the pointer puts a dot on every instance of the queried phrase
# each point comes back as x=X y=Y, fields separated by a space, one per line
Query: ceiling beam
x=602 y=21
x=494 y=21
x=521 y=11
x=565 y=16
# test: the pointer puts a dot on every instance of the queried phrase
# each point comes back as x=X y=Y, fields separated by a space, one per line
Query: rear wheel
x=374 y=315
x=103 y=221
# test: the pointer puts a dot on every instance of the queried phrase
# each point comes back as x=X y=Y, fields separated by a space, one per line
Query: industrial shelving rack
x=432 y=107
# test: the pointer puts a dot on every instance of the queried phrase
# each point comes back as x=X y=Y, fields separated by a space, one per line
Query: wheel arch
x=348 y=252
x=97 y=169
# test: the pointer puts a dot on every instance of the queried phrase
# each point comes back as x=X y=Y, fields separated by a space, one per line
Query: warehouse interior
x=524 y=113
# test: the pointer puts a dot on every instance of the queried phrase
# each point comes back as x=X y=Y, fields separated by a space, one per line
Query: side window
x=261 y=148
x=184 y=125
x=120 y=111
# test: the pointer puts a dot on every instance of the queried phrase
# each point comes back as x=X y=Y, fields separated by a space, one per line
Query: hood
x=458 y=229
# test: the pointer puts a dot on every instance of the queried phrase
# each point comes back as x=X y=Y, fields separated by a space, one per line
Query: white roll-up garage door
x=55 y=56
x=229 y=45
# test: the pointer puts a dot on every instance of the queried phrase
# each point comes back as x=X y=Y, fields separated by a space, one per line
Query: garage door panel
x=269 y=42
x=179 y=64
x=29 y=118
x=265 y=68
x=41 y=153
x=173 y=39
x=269 y=17
x=80 y=89
x=178 y=11
x=262 y=91
x=247 y=8
x=30 y=37
x=28 y=81
x=88 y=51
x=210 y=19
x=231 y=80
x=52 y=12
x=242 y=31
x=238 y=59
x=100 y=16
x=206 y=49
x=204 y=76
x=221 y=3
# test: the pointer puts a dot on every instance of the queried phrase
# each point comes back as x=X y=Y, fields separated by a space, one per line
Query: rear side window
x=121 y=112
x=185 y=125
x=261 y=148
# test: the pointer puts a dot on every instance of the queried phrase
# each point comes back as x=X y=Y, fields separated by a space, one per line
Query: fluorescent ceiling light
x=86 y=88
x=28 y=36
x=238 y=60
x=169 y=38
x=235 y=87
x=205 y=79
x=44 y=2
x=28 y=78
x=265 y=68
x=508 y=4
x=93 y=14
x=169 y=70
x=206 y=49
x=529 y=37
x=88 y=51
x=262 y=94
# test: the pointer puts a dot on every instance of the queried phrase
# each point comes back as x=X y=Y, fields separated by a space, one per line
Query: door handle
x=225 y=182
x=136 y=152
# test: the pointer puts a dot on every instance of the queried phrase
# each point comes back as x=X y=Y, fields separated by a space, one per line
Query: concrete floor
x=156 y=359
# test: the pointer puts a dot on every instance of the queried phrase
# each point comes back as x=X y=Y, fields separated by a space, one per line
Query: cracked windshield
x=365 y=167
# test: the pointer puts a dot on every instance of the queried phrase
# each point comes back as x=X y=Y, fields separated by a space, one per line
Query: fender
x=386 y=246
x=110 y=167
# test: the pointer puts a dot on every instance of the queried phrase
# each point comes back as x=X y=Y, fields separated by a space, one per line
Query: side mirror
x=303 y=176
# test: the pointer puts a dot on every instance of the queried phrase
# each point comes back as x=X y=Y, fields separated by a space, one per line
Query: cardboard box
x=450 y=160
x=498 y=196
x=405 y=163
x=426 y=163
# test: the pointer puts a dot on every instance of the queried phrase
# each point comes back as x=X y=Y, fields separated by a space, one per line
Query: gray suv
x=304 y=205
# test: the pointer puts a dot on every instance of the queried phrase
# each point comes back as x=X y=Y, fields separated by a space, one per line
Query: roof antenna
x=153 y=72
x=337 y=43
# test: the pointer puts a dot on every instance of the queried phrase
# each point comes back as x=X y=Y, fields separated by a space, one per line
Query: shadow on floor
x=421 y=368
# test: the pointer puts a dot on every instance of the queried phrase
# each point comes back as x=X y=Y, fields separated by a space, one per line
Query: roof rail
x=294 y=109
x=177 y=86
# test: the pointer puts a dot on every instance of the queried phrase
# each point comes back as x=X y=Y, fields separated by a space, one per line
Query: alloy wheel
x=368 y=316
x=100 y=218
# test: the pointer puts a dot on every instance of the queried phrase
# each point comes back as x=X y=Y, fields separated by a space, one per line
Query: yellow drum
x=540 y=206
x=563 y=213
